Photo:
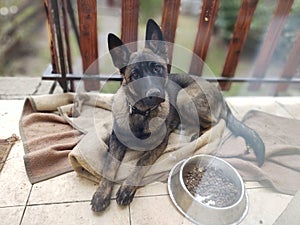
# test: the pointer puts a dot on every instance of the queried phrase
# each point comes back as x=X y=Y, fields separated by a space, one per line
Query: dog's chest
x=137 y=131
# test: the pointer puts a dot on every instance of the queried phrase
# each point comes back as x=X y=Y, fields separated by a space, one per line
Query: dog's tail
x=252 y=139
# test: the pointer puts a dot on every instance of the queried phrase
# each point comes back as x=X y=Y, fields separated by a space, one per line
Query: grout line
x=129 y=210
x=81 y=201
x=11 y=206
x=58 y=203
x=22 y=217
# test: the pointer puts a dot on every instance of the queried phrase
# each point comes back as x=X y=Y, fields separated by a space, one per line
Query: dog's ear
x=119 y=52
x=155 y=40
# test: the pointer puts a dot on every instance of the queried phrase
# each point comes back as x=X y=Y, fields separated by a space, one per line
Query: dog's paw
x=100 y=201
x=125 y=195
x=101 y=198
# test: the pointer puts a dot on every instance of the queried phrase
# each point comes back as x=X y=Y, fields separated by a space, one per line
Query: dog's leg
x=116 y=152
x=128 y=188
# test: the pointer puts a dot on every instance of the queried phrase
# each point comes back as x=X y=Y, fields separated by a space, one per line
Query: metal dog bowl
x=200 y=209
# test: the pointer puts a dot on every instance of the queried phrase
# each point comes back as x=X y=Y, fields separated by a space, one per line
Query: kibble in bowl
x=208 y=190
x=211 y=186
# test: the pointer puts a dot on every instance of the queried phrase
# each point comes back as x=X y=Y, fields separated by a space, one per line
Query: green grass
x=110 y=87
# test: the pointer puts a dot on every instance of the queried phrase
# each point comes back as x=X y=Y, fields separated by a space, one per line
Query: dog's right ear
x=155 y=40
x=119 y=52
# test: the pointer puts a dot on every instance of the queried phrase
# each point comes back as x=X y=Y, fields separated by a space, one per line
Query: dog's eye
x=157 y=68
x=134 y=73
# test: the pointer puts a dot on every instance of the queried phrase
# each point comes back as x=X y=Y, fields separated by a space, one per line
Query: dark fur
x=160 y=99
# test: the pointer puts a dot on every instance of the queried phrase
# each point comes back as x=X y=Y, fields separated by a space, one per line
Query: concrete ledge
x=20 y=87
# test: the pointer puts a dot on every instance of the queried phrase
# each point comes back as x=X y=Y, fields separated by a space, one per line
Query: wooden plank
x=271 y=40
x=205 y=28
x=291 y=64
x=87 y=13
x=51 y=32
x=130 y=18
x=237 y=42
x=60 y=44
x=65 y=7
x=169 y=25
x=67 y=36
x=73 y=20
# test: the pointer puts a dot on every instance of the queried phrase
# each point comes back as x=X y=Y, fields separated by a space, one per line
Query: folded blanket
x=53 y=126
x=89 y=155
x=88 y=118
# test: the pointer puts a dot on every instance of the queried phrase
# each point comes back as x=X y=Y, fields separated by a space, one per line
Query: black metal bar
x=102 y=77
x=117 y=77
x=252 y=80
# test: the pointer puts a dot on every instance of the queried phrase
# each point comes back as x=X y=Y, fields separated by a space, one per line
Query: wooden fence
x=60 y=16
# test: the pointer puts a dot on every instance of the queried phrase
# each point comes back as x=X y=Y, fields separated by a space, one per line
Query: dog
x=149 y=105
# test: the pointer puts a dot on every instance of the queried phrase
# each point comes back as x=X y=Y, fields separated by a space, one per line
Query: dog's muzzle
x=154 y=97
x=154 y=92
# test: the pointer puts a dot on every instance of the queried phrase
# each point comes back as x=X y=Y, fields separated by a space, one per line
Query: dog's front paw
x=100 y=202
x=125 y=194
x=101 y=198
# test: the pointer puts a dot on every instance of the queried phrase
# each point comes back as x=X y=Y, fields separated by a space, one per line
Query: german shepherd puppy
x=149 y=105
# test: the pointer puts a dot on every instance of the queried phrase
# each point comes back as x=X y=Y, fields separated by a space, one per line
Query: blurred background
x=25 y=51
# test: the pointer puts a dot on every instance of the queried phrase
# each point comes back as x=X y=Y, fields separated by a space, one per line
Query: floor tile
x=74 y=214
x=265 y=206
x=14 y=184
x=64 y=188
x=291 y=214
x=158 y=210
x=11 y=215
x=10 y=112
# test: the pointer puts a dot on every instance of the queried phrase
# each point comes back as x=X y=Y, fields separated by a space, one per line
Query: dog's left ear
x=155 y=40
x=119 y=52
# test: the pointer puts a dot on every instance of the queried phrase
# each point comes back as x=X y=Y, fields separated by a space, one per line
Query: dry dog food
x=211 y=187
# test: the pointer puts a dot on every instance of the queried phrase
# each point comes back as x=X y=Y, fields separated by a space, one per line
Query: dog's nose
x=153 y=92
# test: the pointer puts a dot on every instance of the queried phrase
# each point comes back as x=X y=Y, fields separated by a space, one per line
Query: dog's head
x=144 y=72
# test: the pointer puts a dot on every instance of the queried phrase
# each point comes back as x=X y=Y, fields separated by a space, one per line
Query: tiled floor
x=66 y=199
